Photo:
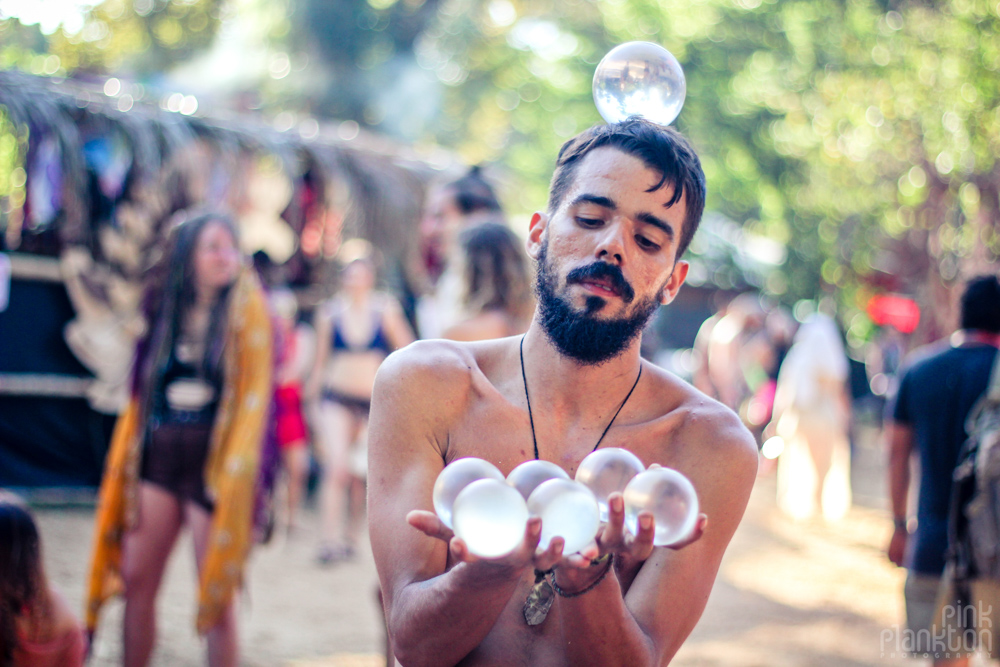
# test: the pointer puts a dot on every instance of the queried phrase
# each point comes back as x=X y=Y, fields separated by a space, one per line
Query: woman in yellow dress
x=186 y=451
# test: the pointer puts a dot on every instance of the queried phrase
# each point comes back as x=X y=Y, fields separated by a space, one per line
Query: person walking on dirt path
x=938 y=388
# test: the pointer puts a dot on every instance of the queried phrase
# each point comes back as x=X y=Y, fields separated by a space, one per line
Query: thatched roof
x=375 y=185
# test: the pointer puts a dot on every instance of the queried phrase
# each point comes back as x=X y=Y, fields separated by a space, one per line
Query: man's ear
x=675 y=281
x=536 y=233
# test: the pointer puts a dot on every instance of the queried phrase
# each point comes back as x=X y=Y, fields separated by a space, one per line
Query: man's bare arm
x=900 y=441
x=669 y=593
x=434 y=616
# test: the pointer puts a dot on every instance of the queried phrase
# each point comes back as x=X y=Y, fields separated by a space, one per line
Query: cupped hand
x=615 y=539
x=526 y=554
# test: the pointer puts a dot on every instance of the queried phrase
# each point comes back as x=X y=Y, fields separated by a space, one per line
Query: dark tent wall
x=49 y=436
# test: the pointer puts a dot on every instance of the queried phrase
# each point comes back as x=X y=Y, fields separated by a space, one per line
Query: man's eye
x=646 y=243
x=590 y=222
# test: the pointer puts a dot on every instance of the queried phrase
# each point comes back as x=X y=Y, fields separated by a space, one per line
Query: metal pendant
x=539 y=601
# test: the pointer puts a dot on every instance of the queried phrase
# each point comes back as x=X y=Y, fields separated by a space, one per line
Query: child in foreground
x=37 y=628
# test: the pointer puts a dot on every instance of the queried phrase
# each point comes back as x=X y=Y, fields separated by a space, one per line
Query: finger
x=429 y=524
x=699 y=530
x=551 y=556
x=591 y=551
x=894 y=554
x=460 y=551
x=532 y=534
x=579 y=560
x=640 y=546
x=612 y=536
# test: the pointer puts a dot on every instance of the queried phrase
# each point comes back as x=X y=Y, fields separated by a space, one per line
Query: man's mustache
x=601 y=271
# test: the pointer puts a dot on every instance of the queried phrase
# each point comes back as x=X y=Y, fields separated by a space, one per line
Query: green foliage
x=360 y=47
x=863 y=138
x=131 y=37
x=13 y=142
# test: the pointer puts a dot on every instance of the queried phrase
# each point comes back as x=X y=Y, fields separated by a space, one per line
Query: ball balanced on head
x=639 y=79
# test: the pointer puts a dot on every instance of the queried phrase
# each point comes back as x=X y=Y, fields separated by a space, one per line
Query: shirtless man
x=624 y=203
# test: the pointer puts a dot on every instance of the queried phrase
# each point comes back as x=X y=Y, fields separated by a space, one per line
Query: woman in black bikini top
x=355 y=332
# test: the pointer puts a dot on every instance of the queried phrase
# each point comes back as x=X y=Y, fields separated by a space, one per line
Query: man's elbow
x=405 y=655
x=409 y=648
x=415 y=647
x=410 y=653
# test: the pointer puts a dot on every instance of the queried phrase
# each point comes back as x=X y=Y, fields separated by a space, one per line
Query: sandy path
x=292 y=608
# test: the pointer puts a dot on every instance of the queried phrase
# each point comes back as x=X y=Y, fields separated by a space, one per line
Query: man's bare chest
x=501 y=432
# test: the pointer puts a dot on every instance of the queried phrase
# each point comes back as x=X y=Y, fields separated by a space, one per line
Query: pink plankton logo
x=964 y=630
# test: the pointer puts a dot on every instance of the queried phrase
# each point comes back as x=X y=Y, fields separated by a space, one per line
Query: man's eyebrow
x=651 y=219
x=608 y=203
x=598 y=200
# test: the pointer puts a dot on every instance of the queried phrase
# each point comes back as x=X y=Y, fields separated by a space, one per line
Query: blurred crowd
x=787 y=378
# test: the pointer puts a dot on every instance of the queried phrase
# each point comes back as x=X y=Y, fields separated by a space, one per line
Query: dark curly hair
x=662 y=149
x=473 y=194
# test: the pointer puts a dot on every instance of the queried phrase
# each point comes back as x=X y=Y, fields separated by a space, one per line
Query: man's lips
x=599 y=287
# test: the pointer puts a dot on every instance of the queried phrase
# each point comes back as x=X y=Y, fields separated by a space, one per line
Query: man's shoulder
x=435 y=383
x=941 y=356
x=439 y=368
x=715 y=431
x=439 y=362
x=928 y=354
x=427 y=381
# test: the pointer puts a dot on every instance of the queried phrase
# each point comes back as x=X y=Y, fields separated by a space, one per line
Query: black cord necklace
x=543 y=593
x=531 y=417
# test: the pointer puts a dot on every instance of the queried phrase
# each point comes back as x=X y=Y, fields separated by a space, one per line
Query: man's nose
x=611 y=245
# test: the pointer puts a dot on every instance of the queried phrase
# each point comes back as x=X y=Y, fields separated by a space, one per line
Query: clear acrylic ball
x=491 y=517
x=670 y=497
x=639 y=79
x=608 y=470
x=568 y=510
x=527 y=476
x=456 y=476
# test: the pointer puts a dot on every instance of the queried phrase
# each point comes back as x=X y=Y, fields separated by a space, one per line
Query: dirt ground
x=788 y=594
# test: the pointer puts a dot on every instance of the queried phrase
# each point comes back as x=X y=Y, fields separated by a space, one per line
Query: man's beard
x=582 y=336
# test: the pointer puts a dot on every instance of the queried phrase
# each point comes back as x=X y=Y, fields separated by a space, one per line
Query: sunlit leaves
x=139 y=37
